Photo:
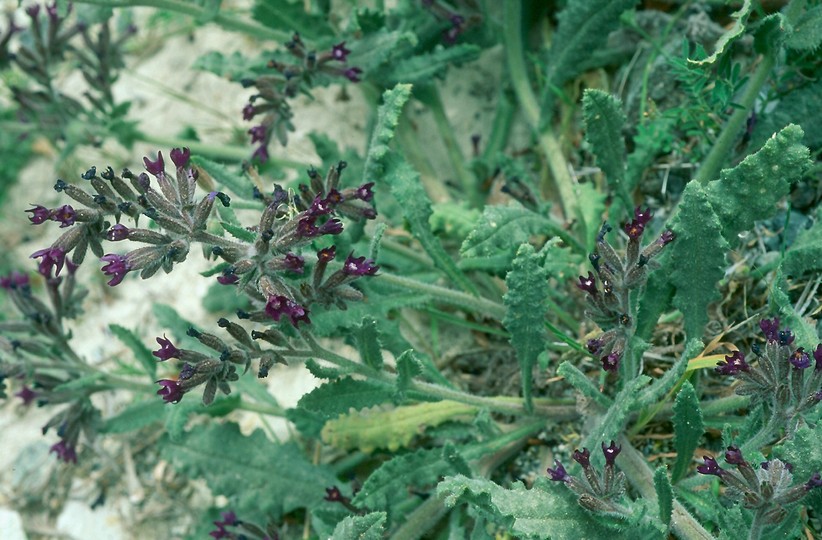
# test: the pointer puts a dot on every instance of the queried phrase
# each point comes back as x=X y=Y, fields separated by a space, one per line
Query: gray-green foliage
x=367 y=527
x=604 y=121
x=688 y=429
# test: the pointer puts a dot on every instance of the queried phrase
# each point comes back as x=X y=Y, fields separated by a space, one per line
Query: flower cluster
x=597 y=492
x=781 y=377
x=274 y=90
x=618 y=276
x=767 y=490
x=79 y=417
x=242 y=530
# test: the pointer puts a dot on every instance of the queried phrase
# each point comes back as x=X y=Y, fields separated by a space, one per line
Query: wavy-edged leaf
x=525 y=314
x=803 y=451
x=141 y=352
x=740 y=18
x=543 y=511
x=666 y=383
x=275 y=478
x=688 y=430
x=368 y=343
x=807 y=32
x=604 y=120
x=240 y=233
x=804 y=328
x=408 y=367
x=664 y=495
x=698 y=238
x=367 y=527
x=424 y=68
x=388 y=116
x=805 y=254
x=583 y=384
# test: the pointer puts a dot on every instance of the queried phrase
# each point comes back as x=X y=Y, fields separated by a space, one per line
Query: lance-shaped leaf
x=289 y=16
x=735 y=32
x=368 y=343
x=408 y=367
x=664 y=495
x=424 y=68
x=604 y=120
x=388 y=116
x=698 y=240
x=240 y=233
x=688 y=430
x=806 y=34
x=141 y=352
x=525 y=316
x=367 y=527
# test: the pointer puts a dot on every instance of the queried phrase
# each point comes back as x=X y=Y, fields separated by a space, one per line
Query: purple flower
x=39 y=214
x=352 y=74
x=327 y=255
x=611 y=362
x=33 y=11
x=558 y=474
x=333 y=494
x=249 y=111
x=634 y=229
x=229 y=520
x=734 y=456
x=228 y=279
x=258 y=133
x=817 y=356
x=319 y=207
x=588 y=284
x=642 y=216
x=334 y=197
x=611 y=452
x=155 y=167
x=666 y=238
x=295 y=263
x=733 y=364
x=260 y=154
x=594 y=346
x=117 y=267
x=332 y=226
x=770 y=328
x=306 y=227
x=359 y=266
x=364 y=192
x=785 y=337
x=117 y=232
x=709 y=467
x=171 y=390
x=800 y=359
x=14 y=280
x=180 y=157
x=278 y=305
x=64 y=214
x=814 y=482
x=582 y=457
x=339 y=52
x=51 y=257
x=167 y=349
x=27 y=395
x=64 y=451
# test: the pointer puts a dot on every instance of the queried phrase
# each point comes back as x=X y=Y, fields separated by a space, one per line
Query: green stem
x=448 y=296
x=756 y=526
x=191 y=9
x=409 y=141
x=407 y=252
x=501 y=128
x=639 y=474
x=421 y=520
x=261 y=408
x=219 y=151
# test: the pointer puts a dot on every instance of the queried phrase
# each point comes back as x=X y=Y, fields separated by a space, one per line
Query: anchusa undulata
x=785 y=378
x=768 y=490
x=610 y=306
x=597 y=492
x=231 y=528
x=294 y=73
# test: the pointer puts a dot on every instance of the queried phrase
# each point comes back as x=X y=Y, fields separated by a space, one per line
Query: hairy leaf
x=424 y=68
x=604 y=120
x=543 y=511
x=388 y=115
x=583 y=384
x=664 y=384
x=664 y=495
x=408 y=367
x=368 y=343
x=735 y=32
x=276 y=478
x=804 y=328
x=803 y=451
x=688 y=430
x=525 y=314
x=807 y=33
x=141 y=352
x=698 y=238
x=805 y=254
x=291 y=17
x=367 y=527
x=240 y=233
x=135 y=416
x=609 y=425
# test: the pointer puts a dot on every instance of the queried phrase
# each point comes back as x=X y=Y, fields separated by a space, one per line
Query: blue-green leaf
x=688 y=430
x=604 y=120
x=424 y=68
x=141 y=352
x=664 y=495
x=367 y=527
x=368 y=343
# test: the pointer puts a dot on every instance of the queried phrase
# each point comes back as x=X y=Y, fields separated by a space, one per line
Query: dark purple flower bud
x=260 y=154
x=800 y=359
x=359 y=266
x=770 y=328
x=766 y=465
x=249 y=111
x=180 y=157
x=814 y=482
x=817 y=356
x=785 y=337
x=117 y=267
x=64 y=214
x=278 y=305
x=52 y=11
x=733 y=364
x=167 y=349
x=666 y=238
x=558 y=474
x=817 y=396
x=333 y=494
x=171 y=391
x=319 y=207
x=633 y=229
x=327 y=254
x=27 y=395
x=709 y=467
x=295 y=263
x=51 y=257
x=117 y=232
x=582 y=457
x=187 y=372
x=258 y=133
x=332 y=226
x=39 y=214
x=734 y=456
x=588 y=284
x=65 y=452
x=14 y=280
x=33 y=11
x=155 y=167
x=594 y=346
x=228 y=279
x=611 y=362
x=352 y=74
x=364 y=192
x=334 y=197
x=339 y=52
x=611 y=452
x=642 y=216
x=306 y=227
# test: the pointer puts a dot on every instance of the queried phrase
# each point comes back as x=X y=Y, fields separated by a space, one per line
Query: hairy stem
x=448 y=296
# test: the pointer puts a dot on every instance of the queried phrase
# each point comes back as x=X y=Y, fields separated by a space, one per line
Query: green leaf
x=177 y=414
x=367 y=527
x=688 y=430
x=804 y=328
x=408 y=367
x=750 y=191
x=388 y=116
x=408 y=190
x=291 y=17
x=525 y=315
x=805 y=254
x=656 y=298
x=698 y=238
x=807 y=32
x=604 y=120
x=368 y=343
x=740 y=18
x=609 y=425
x=336 y=398
x=540 y=512
x=237 y=184
x=664 y=495
x=240 y=233
x=141 y=352
x=79 y=383
x=583 y=384
x=135 y=416
x=424 y=68
x=654 y=393
x=798 y=106
x=275 y=478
